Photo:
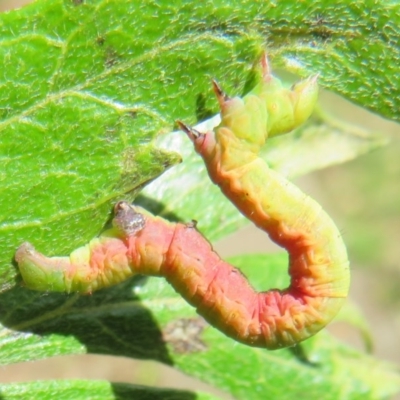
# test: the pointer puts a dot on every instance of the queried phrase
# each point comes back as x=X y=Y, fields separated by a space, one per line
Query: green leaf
x=85 y=89
x=353 y=45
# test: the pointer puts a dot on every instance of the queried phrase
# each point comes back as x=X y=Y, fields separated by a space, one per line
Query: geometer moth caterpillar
x=140 y=243
x=318 y=262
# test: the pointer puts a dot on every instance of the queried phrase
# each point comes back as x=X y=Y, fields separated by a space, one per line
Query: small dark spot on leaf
x=100 y=40
x=202 y=112
x=110 y=133
x=319 y=20
x=322 y=33
x=111 y=57
x=133 y=114
x=169 y=162
x=321 y=27
x=184 y=335
x=78 y=2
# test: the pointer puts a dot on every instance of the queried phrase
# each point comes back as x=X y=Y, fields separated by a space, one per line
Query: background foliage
x=87 y=87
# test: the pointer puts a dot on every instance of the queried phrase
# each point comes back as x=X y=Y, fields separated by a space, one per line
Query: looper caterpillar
x=142 y=243
x=318 y=263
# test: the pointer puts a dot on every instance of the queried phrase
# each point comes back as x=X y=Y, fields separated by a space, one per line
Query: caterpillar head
x=203 y=142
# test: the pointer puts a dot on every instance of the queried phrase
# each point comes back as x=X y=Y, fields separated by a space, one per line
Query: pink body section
x=219 y=291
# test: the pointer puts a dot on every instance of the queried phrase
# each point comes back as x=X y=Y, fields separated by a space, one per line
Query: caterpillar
x=140 y=243
x=318 y=262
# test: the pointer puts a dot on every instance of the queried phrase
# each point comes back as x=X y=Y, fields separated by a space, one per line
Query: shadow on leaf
x=125 y=392
x=90 y=389
x=111 y=321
